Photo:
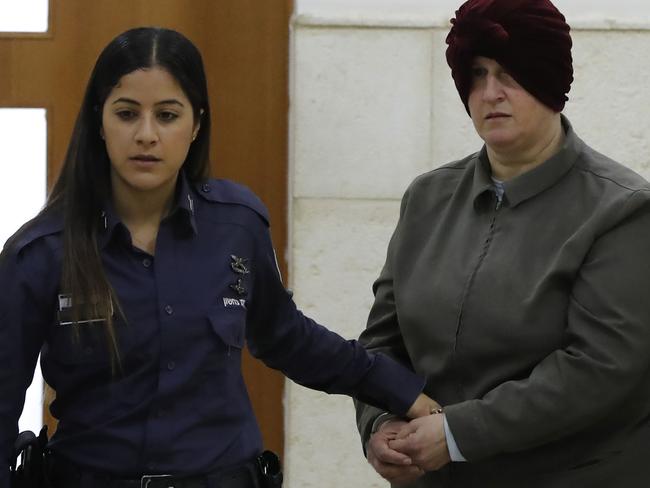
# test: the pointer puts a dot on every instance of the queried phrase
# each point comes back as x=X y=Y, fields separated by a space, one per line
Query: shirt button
x=205 y=188
x=171 y=365
x=169 y=310
x=146 y=262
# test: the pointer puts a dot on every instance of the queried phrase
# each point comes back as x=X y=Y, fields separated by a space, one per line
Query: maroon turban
x=529 y=38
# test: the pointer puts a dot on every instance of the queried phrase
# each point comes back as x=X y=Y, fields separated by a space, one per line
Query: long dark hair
x=83 y=186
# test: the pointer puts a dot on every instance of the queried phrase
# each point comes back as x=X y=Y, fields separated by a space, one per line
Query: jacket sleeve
x=603 y=365
x=21 y=337
x=313 y=356
x=382 y=334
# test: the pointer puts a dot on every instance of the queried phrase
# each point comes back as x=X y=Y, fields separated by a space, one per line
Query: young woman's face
x=148 y=125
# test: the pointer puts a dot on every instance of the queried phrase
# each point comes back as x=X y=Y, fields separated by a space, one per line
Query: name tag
x=234 y=302
x=65 y=312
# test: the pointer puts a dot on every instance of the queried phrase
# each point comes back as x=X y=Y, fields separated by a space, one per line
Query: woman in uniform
x=139 y=283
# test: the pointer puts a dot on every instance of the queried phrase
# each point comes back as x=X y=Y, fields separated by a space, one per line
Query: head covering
x=529 y=38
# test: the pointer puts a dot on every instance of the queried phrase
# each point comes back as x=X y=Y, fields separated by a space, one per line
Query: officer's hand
x=422 y=407
x=390 y=464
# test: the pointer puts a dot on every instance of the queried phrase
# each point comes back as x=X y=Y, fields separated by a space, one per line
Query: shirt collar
x=183 y=210
x=535 y=181
x=482 y=183
x=182 y=214
x=109 y=224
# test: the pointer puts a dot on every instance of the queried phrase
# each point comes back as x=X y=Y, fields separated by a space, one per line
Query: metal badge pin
x=238 y=264
x=238 y=287
x=189 y=199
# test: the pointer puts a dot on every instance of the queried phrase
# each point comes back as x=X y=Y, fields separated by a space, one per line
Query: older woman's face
x=508 y=118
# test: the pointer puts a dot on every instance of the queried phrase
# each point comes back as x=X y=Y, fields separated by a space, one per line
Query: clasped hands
x=402 y=451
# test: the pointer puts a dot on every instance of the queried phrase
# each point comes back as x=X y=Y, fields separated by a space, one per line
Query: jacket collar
x=535 y=181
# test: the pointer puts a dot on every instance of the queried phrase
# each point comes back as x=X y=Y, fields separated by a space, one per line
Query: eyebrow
x=171 y=101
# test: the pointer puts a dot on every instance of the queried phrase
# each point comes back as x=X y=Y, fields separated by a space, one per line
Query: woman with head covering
x=516 y=280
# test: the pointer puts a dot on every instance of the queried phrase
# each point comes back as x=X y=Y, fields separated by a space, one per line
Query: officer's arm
x=314 y=356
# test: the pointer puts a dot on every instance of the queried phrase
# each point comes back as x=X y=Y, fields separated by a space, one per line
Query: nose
x=147 y=131
x=493 y=89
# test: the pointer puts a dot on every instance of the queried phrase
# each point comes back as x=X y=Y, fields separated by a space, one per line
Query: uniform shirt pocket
x=229 y=328
x=83 y=344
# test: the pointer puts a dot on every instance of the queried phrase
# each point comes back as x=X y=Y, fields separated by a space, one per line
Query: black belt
x=238 y=478
x=263 y=472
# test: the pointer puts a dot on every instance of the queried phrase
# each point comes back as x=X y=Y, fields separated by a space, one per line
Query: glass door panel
x=24 y=15
x=23 y=187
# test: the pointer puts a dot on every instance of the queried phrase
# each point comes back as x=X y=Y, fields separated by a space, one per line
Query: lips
x=496 y=115
x=145 y=158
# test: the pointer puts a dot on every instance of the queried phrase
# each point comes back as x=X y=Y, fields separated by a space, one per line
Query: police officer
x=139 y=283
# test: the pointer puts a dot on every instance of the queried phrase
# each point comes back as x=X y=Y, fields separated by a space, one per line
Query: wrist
x=381 y=420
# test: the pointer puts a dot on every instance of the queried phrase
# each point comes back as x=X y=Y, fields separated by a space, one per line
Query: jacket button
x=205 y=188
x=169 y=310
x=171 y=365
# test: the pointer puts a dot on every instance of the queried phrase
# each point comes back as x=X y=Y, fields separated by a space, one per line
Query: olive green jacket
x=530 y=319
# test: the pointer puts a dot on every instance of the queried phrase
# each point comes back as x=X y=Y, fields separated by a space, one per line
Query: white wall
x=574 y=10
x=372 y=106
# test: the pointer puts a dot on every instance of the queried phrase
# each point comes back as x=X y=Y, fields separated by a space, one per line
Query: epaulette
x=39 y=226
x=228 y=192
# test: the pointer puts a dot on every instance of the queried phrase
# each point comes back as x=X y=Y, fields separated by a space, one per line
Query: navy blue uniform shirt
x=179 y=404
